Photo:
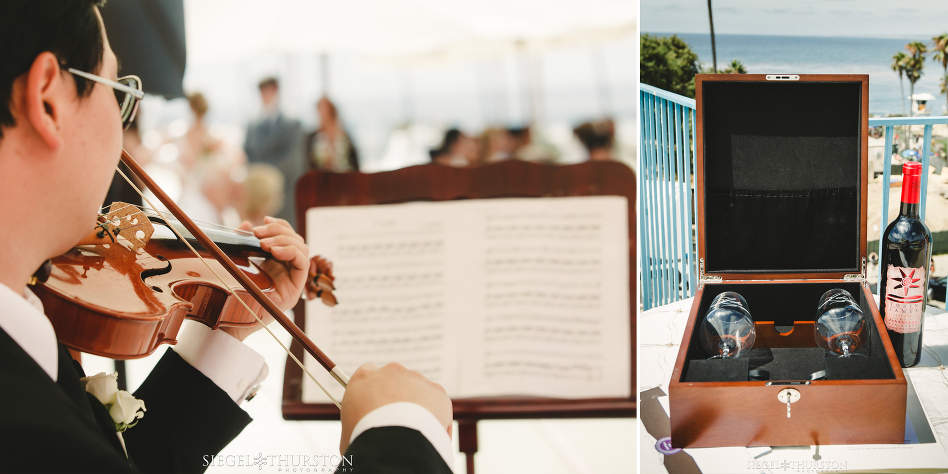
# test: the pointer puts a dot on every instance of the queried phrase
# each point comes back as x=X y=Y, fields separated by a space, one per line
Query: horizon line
x=928 y=38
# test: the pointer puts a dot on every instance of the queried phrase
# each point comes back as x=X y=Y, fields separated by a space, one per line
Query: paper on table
x=485 y=297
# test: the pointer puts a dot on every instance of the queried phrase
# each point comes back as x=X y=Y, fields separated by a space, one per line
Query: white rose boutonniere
x=124 y=409
x=103 y=386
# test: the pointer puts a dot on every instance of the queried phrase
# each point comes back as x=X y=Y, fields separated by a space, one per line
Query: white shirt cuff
x=227 y=361
x=409 y=415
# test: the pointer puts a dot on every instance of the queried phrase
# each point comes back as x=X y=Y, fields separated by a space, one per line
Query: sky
x=854 y=18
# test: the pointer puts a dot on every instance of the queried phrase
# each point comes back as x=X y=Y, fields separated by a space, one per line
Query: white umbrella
x=922 y=96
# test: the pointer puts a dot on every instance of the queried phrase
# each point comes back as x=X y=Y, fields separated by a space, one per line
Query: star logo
x=907 y=282
x=260 y=461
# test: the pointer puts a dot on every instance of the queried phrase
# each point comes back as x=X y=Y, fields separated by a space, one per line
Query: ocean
x=827 y=55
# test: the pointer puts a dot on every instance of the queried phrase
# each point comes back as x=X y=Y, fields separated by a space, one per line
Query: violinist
x=60 y=140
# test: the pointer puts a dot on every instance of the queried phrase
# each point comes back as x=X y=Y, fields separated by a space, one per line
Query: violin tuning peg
x=321 y=265
x=325 y=282
x=328 y=299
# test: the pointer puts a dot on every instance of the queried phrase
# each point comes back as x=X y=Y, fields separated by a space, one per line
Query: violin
x=126 y=288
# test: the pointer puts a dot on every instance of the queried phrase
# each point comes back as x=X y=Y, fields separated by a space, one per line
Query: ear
x=45 y=99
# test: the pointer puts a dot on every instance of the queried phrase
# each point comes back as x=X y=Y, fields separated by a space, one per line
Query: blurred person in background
x=212 y=170
x=598 y=138
x=198 y=144
x=528 y=149
x=276 y=140
x=263 y=193
x=329 y=147
x=457 y=149
x=498 y=145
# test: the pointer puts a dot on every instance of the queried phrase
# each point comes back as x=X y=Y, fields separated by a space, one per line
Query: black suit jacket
x=392 y=449
x=48 y=426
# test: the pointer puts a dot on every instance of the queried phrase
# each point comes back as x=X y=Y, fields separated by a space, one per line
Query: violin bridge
x=130 y=223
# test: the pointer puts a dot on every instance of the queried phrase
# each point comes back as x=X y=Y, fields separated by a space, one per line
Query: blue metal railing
x=666 y=191
x=666 y=200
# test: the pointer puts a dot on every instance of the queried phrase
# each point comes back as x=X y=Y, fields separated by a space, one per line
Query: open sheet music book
x=493 y=297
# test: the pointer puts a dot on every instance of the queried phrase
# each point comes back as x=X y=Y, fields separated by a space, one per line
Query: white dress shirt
x=228 y=362
x=410 y=415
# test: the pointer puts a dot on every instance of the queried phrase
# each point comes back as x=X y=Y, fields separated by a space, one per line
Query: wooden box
x=781 y=179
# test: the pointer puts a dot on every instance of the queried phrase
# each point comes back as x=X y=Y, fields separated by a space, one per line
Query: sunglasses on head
x=128 y=92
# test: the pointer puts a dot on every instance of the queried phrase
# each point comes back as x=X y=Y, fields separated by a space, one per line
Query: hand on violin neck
x=289 y=266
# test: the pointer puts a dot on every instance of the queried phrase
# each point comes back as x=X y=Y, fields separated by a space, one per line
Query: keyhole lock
x=788 y=396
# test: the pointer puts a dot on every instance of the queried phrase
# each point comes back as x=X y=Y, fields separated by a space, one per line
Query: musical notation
x=486 y=297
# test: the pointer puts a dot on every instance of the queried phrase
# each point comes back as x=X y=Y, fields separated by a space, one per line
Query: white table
x=661 y=329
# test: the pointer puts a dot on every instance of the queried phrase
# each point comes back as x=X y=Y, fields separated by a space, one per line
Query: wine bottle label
x=904 y=299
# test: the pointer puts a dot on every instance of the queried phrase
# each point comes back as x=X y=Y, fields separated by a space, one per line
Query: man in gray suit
x=277 y=140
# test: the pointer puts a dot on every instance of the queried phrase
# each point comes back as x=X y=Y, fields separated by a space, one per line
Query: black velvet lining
x=718 y=370
x=784 y=303
x=782 y=176
x=777 y=231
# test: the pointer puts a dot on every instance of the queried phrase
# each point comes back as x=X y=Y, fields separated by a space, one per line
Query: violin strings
x=155 y=213
x=234 y=293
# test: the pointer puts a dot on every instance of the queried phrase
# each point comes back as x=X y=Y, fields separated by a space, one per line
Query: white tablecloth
x=660 y=331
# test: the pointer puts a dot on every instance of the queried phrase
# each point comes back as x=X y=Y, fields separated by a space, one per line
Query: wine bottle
x=906 y=259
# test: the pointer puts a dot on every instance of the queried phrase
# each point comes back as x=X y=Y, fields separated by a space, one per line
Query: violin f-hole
x=155 y=272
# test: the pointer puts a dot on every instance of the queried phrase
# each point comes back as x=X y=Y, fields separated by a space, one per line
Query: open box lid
x=781 y=175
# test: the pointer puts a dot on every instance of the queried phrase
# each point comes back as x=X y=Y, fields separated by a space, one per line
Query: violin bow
x=298 y=335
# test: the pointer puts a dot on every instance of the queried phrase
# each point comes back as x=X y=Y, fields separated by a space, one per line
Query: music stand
x=432 y=182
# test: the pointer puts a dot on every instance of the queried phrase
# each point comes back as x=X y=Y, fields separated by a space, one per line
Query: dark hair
x=268 y=82
x=518 y=132
x=198 y=103
x=450 y=138
x=596 y=135
x=69 y=29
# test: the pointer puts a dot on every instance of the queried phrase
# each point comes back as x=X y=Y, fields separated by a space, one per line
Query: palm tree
x=898 y=65
x=915 y=63
x=940 y=50
x=736 y=67
x=714 y=53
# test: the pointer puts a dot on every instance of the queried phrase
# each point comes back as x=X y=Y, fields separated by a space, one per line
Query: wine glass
x=727 y=331
x=840 y=326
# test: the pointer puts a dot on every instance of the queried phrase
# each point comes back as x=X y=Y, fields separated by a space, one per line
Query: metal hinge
x=702 y=278
x=860 y=277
